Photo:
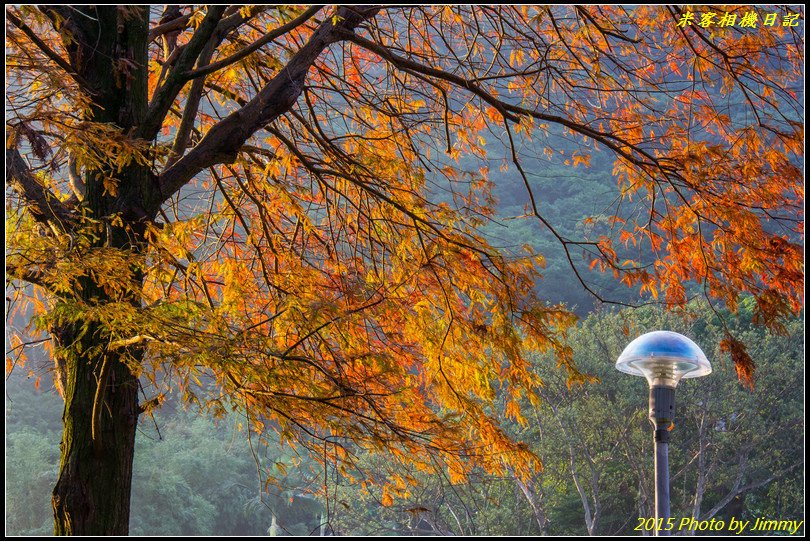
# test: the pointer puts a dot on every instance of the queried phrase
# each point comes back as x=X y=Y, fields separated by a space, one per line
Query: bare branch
x=173 y=25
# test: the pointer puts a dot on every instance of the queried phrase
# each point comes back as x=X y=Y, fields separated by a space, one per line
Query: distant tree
x=31 y=457
x=728 y=442
x=733 y=454
x=264 y=205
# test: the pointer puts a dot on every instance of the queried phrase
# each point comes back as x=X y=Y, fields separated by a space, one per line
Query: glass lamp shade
x=663 y=357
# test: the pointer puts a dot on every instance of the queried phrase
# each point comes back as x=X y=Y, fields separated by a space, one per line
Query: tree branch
x=43 y=204
x=407 y=64
x=165 y=95
x=737 y=489
x=181 y=140
x=267 y=38
x=178 y=24
x=509 y=111
x=225 y=138
x=63 y=17
x=50 y=53
x=24 y=273
x=98 y=399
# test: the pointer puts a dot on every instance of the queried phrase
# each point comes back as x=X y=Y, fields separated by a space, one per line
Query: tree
x=729 y=441
x=734 y=453
x=266 y=206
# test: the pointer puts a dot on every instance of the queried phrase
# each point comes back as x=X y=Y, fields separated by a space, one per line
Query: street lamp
x=663 y=357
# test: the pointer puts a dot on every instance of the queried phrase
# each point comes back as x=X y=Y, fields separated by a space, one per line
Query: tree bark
x=107 y=48
x=92 y=494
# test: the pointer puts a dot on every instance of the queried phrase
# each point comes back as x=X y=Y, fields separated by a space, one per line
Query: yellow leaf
x=386 y=500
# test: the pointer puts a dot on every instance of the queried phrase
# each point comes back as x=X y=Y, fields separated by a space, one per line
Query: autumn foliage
x=302 y=237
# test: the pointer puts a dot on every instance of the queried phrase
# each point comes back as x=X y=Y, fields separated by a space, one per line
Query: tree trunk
x=92 y=493
x=107 y=46
x=531 y=499
x=703 y=475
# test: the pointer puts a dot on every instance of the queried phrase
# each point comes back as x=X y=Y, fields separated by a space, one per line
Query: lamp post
x=663 y=357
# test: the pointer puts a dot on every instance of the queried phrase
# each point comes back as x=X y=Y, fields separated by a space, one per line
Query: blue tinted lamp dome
x=663 y=357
